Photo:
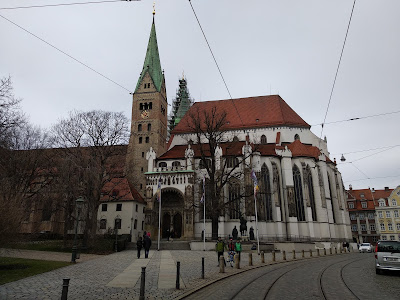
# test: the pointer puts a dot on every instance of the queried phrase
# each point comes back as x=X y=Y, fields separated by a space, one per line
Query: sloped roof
x=255 y=112
x=119 y=189
x=368 y=194
x=299 y=149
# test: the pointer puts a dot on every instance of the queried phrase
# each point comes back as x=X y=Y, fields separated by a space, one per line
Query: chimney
x=350 y=187
x=386 y=188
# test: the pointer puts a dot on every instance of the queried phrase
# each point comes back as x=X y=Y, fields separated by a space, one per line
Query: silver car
x=387 y=256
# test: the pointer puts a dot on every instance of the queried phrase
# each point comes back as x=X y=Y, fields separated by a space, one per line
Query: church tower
x=149 y=116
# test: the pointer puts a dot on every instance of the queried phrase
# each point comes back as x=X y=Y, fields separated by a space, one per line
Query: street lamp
x=78 y=206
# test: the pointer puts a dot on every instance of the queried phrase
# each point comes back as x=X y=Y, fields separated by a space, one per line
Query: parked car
x=387 y=256
x=365 y=247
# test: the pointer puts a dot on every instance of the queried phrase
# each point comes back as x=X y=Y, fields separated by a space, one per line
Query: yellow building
x=388 y=216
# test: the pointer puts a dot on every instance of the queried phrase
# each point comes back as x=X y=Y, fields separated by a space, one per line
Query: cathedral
x=259 y=141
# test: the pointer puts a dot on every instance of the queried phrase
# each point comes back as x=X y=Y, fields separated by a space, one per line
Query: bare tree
x=11 y=115
x=222 y=172
x=21 y=170
x=89 y=142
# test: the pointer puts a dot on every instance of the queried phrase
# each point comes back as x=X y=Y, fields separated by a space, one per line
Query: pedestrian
x=147 y=245
x=220 y=247
x=251 y=233
x=168 y=234
x=238 y=247
x=254 y=247
x=139 y=245
x=235 y=233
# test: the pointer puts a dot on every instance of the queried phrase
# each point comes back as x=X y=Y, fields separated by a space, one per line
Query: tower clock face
x=144 y=114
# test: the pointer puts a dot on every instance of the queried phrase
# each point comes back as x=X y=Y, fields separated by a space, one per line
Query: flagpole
x=159 y=217
x=255 y=205
x=204 y=223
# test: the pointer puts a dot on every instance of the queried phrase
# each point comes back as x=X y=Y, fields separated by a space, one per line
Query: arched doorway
x=166 y=224
x=178 y=225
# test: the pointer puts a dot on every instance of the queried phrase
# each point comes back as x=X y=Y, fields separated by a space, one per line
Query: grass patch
x=12 y=269
x=47 y=245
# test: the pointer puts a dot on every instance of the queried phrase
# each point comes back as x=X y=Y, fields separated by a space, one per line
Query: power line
x=366 y=150
x=78 y=61
x=360 y=170
x=394 y=176
x=337 y=69
x=370 y=155
x=215 y=60
x=359 y=118
x=65 y=4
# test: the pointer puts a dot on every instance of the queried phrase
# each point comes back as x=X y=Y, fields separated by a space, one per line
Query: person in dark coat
x=235 y=233
x=139 y=245
x=147 y=245
x=251 y=233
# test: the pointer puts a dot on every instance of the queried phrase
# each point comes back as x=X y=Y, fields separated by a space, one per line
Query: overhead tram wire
x=215 y=60
x=78 y=61
x=383 y=177
x=358 y=118
x=337 y=69
x=65 y=4
x=366 y=150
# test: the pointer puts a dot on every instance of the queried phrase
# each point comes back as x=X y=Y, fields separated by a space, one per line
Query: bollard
x=318 y=252
x=142 y=283
x=250 y=259
x=273 y=256
x=310 y=253
x=294 y=254
x=284 y=255
x=202 y=268
x=335 y=250
x=64 y=294
x=324 y=251
x=330 y=251
x=237 y=261
x=178 y=267
x=302 y=253
x=221 y=264
x=262 y=257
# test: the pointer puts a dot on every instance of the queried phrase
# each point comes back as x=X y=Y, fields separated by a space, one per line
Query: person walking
x=139 y=245
x=238 y=247
x=147 y=245
x=231 y=252
x=220 y=246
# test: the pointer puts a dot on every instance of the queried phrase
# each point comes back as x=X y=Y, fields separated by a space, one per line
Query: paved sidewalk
x=117 y=276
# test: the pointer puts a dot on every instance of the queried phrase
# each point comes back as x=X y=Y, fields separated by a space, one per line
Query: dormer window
x=263 y=139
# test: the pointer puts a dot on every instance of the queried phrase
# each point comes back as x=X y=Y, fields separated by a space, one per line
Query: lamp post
x=78 y=206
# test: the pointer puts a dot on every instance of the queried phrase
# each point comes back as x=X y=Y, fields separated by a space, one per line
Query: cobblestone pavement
x=88 y=279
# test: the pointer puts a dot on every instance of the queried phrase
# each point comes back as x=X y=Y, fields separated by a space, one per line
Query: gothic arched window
x=298 y=193
x=176 y=164
x=263 y=139
x=162 y=164
x=330 y=195
x=202 y=164
x=296 y=137
x=308 y=181
x=265 y=193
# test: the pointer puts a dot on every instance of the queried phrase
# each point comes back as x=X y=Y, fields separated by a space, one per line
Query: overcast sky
x=263 y=47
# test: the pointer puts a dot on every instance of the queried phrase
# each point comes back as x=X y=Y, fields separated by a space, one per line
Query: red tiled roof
x=255 y=112
x=368 y=195
x=299 y=149
x=235 y=148
x=118 y=189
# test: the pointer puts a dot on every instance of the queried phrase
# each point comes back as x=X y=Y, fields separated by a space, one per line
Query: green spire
x=152 y=62
x=180 y=104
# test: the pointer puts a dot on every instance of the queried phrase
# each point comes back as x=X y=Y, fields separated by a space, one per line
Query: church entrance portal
x=178 y=225
x=172 y=206
x=166 y=225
